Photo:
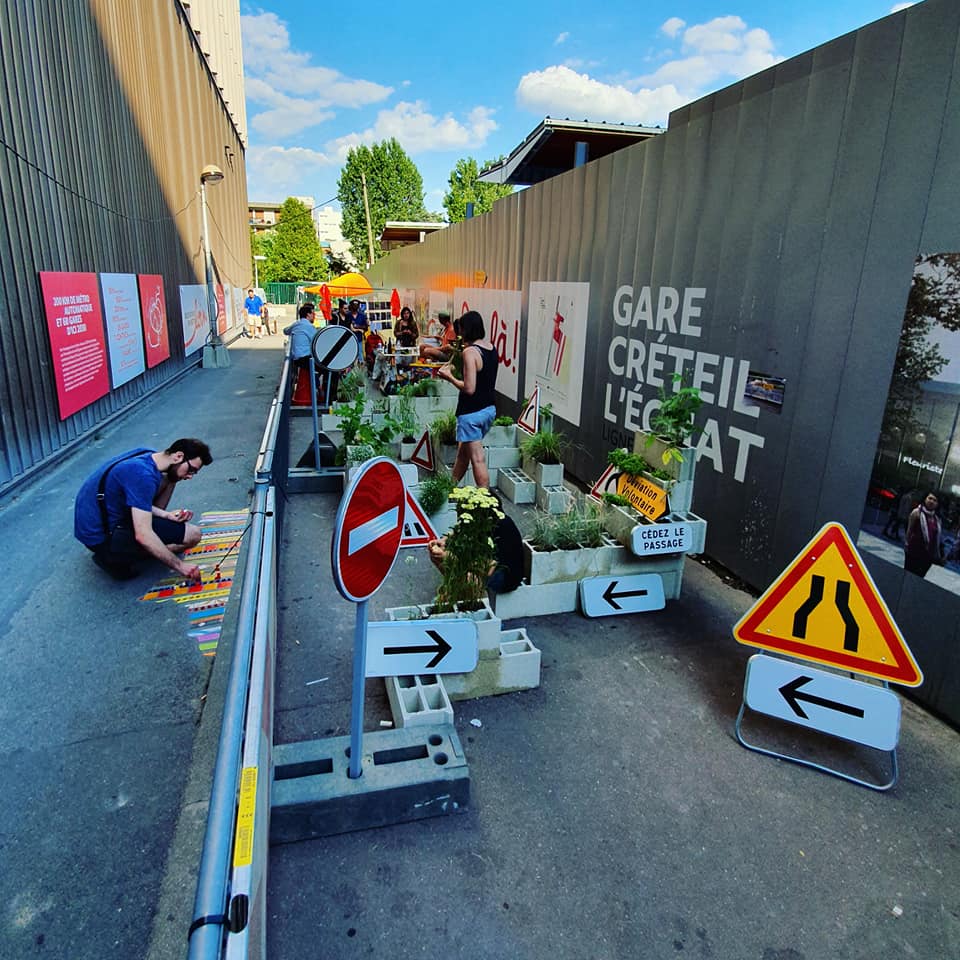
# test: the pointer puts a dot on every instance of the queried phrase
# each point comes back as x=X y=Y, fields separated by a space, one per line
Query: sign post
x=366 y=542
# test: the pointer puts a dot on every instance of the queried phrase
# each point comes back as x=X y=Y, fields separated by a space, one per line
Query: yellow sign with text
x=644 y=495
x=246 y=811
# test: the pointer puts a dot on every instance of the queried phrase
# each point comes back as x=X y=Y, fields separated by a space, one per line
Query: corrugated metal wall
x=107 y=116
x=798 y=200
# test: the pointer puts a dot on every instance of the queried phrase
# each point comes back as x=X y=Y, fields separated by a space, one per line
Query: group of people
x=121 y=514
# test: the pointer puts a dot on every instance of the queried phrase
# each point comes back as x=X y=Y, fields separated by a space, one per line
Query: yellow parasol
x=349 y=285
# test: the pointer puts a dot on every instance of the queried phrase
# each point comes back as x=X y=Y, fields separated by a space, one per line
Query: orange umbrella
x=395 y=303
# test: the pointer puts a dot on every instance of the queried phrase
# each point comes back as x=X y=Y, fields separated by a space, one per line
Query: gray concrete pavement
x=103 y=696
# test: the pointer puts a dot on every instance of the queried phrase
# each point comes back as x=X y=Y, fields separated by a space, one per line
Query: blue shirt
x=253 y=305
x=301 y=335
x=133 y=482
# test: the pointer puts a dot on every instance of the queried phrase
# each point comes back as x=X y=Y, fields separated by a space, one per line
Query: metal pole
x=256 y=273
x=359 y=677
x=316 y=419
x=214 y=354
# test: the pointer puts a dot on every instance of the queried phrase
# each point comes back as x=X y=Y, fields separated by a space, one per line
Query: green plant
x=359 y=431
x=503 y=421
x=616 y=499
x=579 y=526
x=634 y=465
x=470 y=550
x=673 y=420
x=544 y=447
x=360 y=453
x=405 y=416
x=351 y=386
x=435 y=491
x=443 y=427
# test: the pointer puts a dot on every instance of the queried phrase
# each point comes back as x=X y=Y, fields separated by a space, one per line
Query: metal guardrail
x=230 y=902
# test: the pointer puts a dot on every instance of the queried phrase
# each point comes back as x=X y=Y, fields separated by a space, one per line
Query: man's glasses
x=191 y=469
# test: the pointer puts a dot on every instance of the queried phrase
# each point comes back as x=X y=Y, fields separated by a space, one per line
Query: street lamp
x=256 y=269
x=214 y=352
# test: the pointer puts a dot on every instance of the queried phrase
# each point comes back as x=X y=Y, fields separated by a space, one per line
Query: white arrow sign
x=424 y=647
x=636 y=593
x=862 y=712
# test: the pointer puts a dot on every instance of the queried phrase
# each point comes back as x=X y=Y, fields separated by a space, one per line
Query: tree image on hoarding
x=394 y=192
x=295 y=252
x=464 y=188
x=933 y=302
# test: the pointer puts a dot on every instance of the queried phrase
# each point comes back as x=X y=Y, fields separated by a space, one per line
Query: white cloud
x=419 y=131
x=897 y=7
x=561 y=92
x=719 y=51
x=286 y=83
x=672 y=26
x=561 y=38
x=282 y=171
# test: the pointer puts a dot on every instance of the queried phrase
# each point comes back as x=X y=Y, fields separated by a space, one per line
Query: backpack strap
x=102 y=490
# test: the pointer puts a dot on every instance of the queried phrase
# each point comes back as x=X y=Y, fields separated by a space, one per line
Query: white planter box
x=504 y=436
x=516 y=486
x=619 y=522
x=539 y=600
x=653 y=454
x=556 y=566
x=488 y=623
x=514 y=666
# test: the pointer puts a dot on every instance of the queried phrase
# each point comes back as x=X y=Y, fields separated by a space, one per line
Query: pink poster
x=153 y=310
x=221 y=310
x=72 y=304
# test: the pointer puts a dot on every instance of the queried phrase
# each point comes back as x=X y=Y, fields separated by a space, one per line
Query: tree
x=295 y=251
x=465 y=189
x=261 y=244
x=394 y=192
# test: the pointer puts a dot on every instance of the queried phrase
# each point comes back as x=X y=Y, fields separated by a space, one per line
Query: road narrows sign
x=826 y=608
x=368 y=529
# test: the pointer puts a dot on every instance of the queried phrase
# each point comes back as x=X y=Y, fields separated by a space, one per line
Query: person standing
x=254 y=307
x=407 y=332
x=476 y=405
x=301 y=334
x=120 y=512
x=924 y=546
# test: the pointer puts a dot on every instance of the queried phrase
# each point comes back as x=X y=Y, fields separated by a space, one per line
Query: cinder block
x=418 y=701
x=516 y=486
x=536 y=601
x=503 y=457
x=553 y=499
x=407 y=774
x=468 y=480
x=515 y=667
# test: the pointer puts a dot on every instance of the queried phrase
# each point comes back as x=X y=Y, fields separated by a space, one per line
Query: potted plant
x=543 y=457
x=406 y=420
x=503 y=433
x=351 y=386
x=359 y=431
x=666 y=445
x=443 y=432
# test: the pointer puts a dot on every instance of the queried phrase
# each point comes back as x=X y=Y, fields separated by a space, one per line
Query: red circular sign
x=369 y=527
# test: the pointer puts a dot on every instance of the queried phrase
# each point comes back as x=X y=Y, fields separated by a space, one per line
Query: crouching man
x=121 y=515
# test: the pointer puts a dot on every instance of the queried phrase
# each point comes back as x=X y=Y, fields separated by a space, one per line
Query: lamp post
x=214 y=352
x=256 y=269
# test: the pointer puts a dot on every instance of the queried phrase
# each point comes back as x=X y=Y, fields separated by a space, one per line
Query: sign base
x=408 y=774
x=215 y=356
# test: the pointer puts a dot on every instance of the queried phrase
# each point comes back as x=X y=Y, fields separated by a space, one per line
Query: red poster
x=153 y=310
x=72 y=304
x=221 y=311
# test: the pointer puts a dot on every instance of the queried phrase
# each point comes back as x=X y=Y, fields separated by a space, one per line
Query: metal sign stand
x=357 y=700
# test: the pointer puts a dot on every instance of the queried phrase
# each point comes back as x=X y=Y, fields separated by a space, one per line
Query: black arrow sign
x=440 y=647
x=611 y=597
x=792 y=694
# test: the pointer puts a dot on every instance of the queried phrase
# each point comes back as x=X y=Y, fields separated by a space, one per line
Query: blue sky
x=451 y=81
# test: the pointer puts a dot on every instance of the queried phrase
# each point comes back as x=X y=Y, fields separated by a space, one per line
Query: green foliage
x=261 y=245
x=425 y=387
x=435 y=491
x=673 y=420
x=359 y=430
x=633 y=464
x=394 y=192
x=579 y=526
x=464 y=188
x=470 y=550
x=351 y=386
x=616 y=499
x=544 y=447
x=443 y=427
x=295 y=253
x=405 y=415
x=503 y=421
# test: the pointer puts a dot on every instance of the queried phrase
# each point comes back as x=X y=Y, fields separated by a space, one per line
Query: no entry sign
x=369 y=528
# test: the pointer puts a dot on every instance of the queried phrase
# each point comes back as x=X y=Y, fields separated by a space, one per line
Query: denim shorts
x=474 y=426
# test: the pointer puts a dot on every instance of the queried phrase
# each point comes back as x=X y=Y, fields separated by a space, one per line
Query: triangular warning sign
x=417 y=530
x=529 y=420
x=606 y=484
x=825 y=607
x=423 y=452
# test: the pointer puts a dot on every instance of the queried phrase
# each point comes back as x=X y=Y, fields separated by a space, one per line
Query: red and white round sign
x=369 y=528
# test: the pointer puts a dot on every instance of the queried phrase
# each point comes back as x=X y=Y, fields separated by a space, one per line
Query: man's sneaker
x=119 y=571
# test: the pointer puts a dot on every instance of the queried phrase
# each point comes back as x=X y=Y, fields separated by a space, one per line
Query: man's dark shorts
x=118 y=554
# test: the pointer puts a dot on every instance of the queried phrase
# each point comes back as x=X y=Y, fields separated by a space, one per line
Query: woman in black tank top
x=476 y=406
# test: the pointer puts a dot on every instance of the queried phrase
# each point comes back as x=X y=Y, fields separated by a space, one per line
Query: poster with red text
x=221 y=309
x=153 y=310
x=500 y=310
x=194 y=306
x=121 y=310
x=228 y=312
x=72 y=305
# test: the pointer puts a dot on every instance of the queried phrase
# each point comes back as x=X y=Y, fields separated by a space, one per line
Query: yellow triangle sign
x=826 y=608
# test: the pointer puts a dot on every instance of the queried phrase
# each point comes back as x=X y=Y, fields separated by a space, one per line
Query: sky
x=473 y=80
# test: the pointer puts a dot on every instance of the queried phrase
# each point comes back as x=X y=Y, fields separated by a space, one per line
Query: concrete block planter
x=488 y=623
x=503 y=456
x=554 y=499
x=418 y=701
x=468 y=480
x=539 y=600
x=555 y=566
x=545 y=474
x=653 y=454
x=444 y=452
x=619 y=522
x=502 y=436
x=516 y=486
x=514 y=666
x=679 y=492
